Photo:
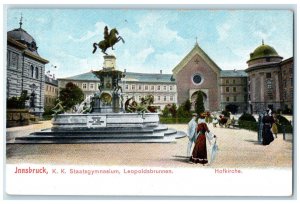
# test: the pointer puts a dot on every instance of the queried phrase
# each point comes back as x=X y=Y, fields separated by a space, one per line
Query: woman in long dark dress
x=267 y=135
x=199 y=154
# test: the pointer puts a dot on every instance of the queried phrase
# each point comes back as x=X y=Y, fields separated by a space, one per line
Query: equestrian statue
x=110 y=39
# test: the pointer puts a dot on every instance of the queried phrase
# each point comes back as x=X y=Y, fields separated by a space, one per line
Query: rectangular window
x=233 y=81
x=146 y=87
x=126 y=87
x=284 y=94
x=84 y=86
x=234 y=98
x=152 y=88
x=227 y=81
x=227 y=89
x=234 y=89
x=140 y=87
x=92 y=86
x=133 y=87
x=227 y=99
x=268 y=75
x=165 y=98
x=158 y=98
x=165 y=88
x=158 y=88
x=14 y=60
x=171 y=98
x=171 y=88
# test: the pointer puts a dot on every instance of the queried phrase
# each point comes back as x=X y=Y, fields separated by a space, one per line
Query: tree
x=199 y=105
x=173 y=110
x=181 y=113
x=165 y=111
x=70 y=96
x=187 y=105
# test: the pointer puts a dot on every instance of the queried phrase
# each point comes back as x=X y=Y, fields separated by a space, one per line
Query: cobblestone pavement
x=237 y=148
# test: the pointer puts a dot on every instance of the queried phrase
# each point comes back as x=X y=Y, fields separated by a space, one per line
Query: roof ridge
x=148 y=73
x=78 y=75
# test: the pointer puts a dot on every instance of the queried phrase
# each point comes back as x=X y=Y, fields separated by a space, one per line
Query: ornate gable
x=196 y=51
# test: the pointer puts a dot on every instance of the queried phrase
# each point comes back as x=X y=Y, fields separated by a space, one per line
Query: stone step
x=55 y=140
x=105 y=132
x=180 y=134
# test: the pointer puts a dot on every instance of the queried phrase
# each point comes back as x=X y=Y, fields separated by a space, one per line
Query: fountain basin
x=104 y=128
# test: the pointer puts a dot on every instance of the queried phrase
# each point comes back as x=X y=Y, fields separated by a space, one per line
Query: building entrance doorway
x=194 y=97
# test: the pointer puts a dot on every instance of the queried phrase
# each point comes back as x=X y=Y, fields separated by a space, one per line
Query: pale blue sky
x=154 y=39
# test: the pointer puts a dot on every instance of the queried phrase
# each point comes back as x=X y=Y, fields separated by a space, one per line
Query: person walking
x=199 y=154
x=191 y=133
x=267 y=135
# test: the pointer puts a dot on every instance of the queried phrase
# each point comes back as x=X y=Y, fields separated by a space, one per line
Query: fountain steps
x=141 y=130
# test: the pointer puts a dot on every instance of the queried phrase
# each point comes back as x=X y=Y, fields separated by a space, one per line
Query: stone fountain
x=106 y=121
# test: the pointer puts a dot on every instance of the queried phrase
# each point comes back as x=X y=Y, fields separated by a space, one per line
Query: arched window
x=31 y=71
x=36 y=73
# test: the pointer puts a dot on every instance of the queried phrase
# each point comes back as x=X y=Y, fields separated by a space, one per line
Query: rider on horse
x=110 y=39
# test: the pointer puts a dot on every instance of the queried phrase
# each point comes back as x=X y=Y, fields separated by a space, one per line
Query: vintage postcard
x=149 y=102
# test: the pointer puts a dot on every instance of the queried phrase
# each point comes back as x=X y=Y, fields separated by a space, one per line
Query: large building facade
x=270 y=80
x=25 y=69
x=221 y=89
x=51 y=92
x=137 y=85
x=253 y=89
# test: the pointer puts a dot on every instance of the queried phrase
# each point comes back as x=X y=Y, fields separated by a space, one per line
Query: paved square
x=238 y=148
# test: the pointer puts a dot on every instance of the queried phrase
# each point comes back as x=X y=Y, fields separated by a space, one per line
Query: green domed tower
x=263 y=54
x=264 y=79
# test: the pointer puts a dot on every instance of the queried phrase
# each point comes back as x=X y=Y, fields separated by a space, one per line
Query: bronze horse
x=111 y=40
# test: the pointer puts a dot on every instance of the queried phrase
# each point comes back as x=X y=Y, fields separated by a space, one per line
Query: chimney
x=124 y=70
x=160 y=71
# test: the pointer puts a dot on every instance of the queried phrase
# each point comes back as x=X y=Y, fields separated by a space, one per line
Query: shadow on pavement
x=255 y=142
x=183 y=159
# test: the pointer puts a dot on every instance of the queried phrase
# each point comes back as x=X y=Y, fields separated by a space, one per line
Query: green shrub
x=284 y=122
x=181 y=113
x=17 y=102
x=187 y=105
x=248 y=122
x=247 y=117
x=248 y=125
x=173 y=110
x=164 y=120
x=165 y=111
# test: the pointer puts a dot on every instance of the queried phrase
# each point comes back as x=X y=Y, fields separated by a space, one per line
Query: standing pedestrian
x=199 y=154
x=191 y=133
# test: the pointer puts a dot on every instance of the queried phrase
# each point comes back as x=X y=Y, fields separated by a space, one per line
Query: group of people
x=198 y=132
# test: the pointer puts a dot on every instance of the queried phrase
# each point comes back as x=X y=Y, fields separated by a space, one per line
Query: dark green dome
x=263 y=51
